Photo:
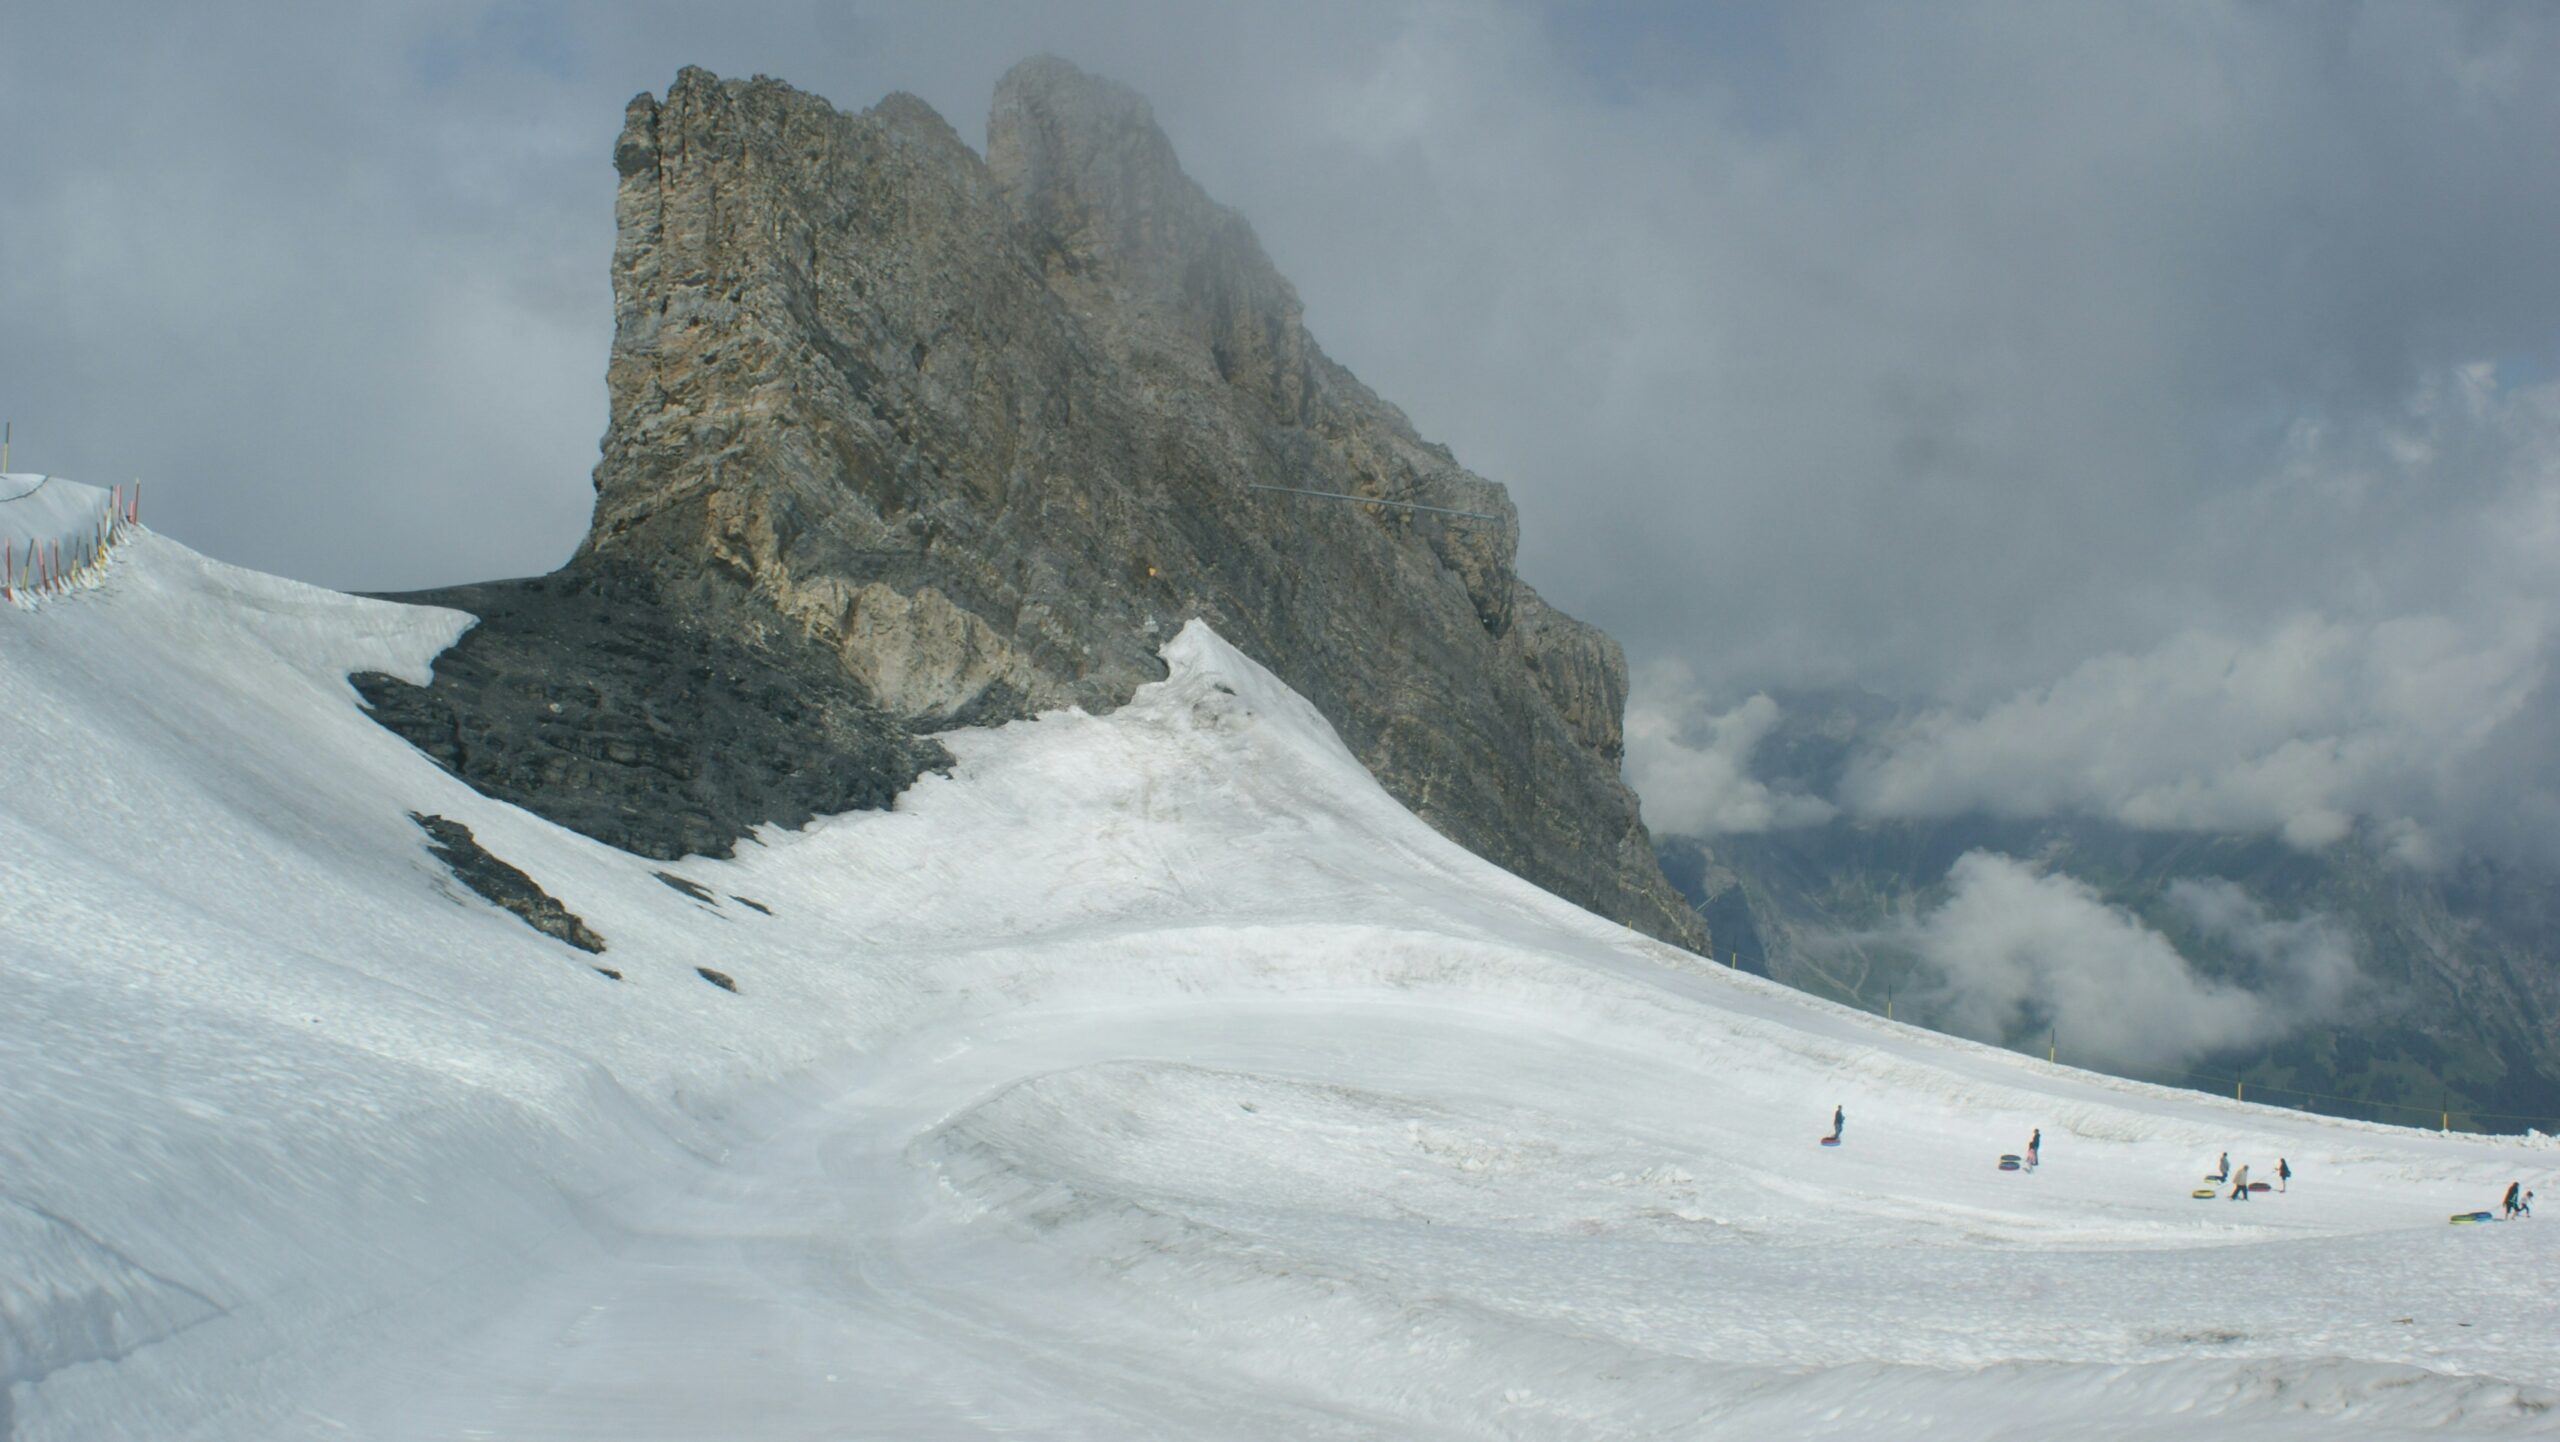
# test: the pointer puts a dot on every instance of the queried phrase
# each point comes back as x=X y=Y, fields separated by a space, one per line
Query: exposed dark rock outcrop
x=583 y=698
x=504 y=886
x=694 y=889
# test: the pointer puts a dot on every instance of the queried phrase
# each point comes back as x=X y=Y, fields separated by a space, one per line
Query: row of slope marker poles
x=44 y=569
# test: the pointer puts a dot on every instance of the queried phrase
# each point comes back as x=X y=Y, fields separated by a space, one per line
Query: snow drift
x=1149 y=1075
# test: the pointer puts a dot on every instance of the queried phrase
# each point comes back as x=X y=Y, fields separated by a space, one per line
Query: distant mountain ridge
x=956 y=440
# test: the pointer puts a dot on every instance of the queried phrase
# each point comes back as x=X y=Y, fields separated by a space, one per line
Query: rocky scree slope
x=981 y=432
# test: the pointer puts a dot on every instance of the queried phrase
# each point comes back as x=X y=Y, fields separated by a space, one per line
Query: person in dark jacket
x=1839 y=1120
x=2034 y=1142
x=2284 y=1173
x=2512 y=1205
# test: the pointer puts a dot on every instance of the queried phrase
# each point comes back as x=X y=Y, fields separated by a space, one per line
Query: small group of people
x=2518 y=1203
x=2240 y=1181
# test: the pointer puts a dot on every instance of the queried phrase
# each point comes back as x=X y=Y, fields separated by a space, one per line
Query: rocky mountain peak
x=987 y=432
x=1117 y=224
x=1094 y=180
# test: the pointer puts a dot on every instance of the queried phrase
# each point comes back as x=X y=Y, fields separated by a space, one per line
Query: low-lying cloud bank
x=2298 y=731
x=2407 y=685
x=2013 y=950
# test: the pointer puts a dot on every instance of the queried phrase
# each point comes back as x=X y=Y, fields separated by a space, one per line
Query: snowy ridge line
x=2445 y=1114
x=2132 y=1088
x=2228 y=1086
x=59 y=558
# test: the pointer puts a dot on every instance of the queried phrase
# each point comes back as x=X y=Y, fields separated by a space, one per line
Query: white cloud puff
x=2297 y=731
x=1692 y=766
x=2012 y=947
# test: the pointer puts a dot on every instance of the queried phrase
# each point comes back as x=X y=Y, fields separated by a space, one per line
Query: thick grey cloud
x=2020 y=358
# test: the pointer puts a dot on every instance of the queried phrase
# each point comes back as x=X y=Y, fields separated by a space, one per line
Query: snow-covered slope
x=1151 y=1075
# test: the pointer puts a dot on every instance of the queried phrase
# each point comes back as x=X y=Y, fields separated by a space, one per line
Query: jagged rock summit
x=982 y=434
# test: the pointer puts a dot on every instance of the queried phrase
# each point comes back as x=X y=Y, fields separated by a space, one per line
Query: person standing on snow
x=2240 y=1185
x=2284 y=1173
x=1839 y=1121
x=2526 y=1206
x=2033 y=1143
x=2222 y=1171
x=2512 y=1189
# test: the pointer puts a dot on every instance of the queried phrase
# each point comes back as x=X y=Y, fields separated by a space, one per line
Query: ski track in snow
x=1153 y=1076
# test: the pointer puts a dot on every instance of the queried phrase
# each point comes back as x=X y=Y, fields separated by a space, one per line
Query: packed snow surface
x=1152 y=1075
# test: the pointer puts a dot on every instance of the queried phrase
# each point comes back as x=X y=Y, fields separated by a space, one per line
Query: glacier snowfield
x=1151 y=1076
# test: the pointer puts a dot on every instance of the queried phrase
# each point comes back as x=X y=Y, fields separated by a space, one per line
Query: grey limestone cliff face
x=984 y=430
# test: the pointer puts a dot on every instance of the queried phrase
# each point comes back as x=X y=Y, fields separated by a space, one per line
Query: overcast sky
x=2163 y=393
